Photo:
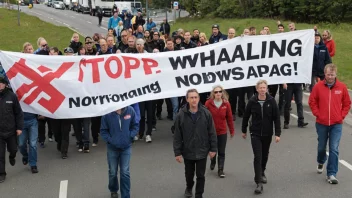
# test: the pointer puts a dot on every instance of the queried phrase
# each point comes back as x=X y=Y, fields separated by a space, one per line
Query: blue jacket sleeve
x=104 y=130
x=109 y=23
x=134 y=125
x=137 y=111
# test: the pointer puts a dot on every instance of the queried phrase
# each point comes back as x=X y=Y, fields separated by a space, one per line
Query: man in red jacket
x=330 y=103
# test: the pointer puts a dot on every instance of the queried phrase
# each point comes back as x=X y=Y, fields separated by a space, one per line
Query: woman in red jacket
x=330 y=44
x=220 y=109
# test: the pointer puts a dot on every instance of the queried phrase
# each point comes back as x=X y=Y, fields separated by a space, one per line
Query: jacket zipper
x=329 y=104
x=262 y=113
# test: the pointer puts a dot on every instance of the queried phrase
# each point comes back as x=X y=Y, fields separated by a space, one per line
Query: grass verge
x=342 y=58
x=30 y=29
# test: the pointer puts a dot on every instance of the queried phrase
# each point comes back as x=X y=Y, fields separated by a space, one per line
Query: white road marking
x=63 y=189
x=66 y=24
x=307 y=112
x=349 y=166
x=293 y=115
x=89 y=22
x=58 y=21
x=103 y=28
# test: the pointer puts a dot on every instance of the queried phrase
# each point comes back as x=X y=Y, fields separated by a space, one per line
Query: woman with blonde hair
x=329 y=42
x=27 y=48
x=220 y=109
x=202 y=39
x=42 y=45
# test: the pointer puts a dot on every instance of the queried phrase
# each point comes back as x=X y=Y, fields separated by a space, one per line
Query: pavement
x=291 y=169
x=84 y=24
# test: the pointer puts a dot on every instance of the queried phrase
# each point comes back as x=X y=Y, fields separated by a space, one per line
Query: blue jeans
x=333 y=133
x=118 y=157
x=174 y=102
x=29 y=135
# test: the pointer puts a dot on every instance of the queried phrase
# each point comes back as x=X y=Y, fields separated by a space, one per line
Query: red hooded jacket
x=330 y=105
x=221 y=116
x=330 y=44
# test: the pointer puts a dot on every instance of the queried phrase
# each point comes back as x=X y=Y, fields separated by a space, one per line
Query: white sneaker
x=136 y=138
x=148 y=139
x=320 y=168
x=94 y=145
x=50 y=139
x=332 y=179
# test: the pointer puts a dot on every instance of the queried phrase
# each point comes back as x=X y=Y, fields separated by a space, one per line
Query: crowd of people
x=201 y=120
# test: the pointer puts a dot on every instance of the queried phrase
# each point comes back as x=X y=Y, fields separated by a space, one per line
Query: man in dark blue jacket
x=216 y=36
x=118 y=129
x=320 y=59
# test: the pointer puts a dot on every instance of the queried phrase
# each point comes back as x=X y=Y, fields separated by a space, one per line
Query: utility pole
x=18 y=12
x=146 y=10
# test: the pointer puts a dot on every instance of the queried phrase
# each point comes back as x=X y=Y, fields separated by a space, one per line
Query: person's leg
x=65 y=135
x=190 y=167
x=323 y=135
x=200 y=172
x=2 y=156
x=266 y=141
x=95 y=127
x=222 y=140
x=175 y=103
x=288 y=97
x=33 y=136
x=113 y=155
x=77 y=127
x=281 y=98
x=142 y=121
x=159 y=107
x=12 y=146
x=335 y=133
x=125 y=181
x=273 y=90
x=169 y=108
x=22 y=142
x=241 y=101
x=86 y=131
x=41 y=130
x=150 y=115
x=50 y=129
x=257 y=151
x=298 y=93
x=56 y=124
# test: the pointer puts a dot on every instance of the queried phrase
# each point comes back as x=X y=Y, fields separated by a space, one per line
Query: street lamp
x=18 y=15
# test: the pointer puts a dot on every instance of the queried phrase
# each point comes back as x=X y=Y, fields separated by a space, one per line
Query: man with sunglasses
x=89 y=46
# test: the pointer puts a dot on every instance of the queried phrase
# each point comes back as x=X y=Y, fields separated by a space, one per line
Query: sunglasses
x=44 y=45
x=216 y=92
x=88 y=43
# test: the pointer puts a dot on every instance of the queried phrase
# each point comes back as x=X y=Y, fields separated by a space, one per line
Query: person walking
x=265 y=117
x=11 y=125
x=194 y=139
x=330 y=103
x=118 y=129
x=220 y=108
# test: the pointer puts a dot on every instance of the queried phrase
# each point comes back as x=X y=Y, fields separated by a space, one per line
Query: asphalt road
x=291 y=169
x=84 y=24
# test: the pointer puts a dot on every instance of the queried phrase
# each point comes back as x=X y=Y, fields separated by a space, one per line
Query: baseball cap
x=215 y=26
x=317 y=34
x=68 y=50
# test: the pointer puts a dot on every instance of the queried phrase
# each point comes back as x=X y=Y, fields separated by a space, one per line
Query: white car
x=59 y=5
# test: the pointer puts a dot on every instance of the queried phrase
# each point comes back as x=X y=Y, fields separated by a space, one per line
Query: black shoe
x=240 y=115
x=221 y=173
x=188 y=193
x=259 y=189
x=114 y=195
x=86 y=148
x=302 y=125
x=64 y=155
x=24 y=160
x=169 y=117
x=264 y=179
x=80 y=148
x=212 y=166
x=2 y=178
x=12 y=161
x=286 y=126
x=34 y=169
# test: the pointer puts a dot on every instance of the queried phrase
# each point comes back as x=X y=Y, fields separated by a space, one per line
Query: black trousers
x=42 y=129
x=61 y=129
x=169 y=108
x=100 y=18
x=260 y=146
x=95 y=128
x=282 y=99
x=11 y=144
x=159 y=107
x=294 y=89
x=143 y=107
x=249 y=91
x=203 y=97
x=273 y=90
x=222 y=139
x=197 y=166
x=233 y=95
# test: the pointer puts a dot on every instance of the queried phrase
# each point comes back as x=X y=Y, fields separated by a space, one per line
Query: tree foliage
x=311 y=11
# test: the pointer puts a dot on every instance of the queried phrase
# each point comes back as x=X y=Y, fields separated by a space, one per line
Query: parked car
x=50 y=3
x=59 y=5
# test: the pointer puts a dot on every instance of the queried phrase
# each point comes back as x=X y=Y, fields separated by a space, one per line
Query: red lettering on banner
x=40 y=84
x=129 y=66
x=95 y=68
x=107 y=67
x=148 y=64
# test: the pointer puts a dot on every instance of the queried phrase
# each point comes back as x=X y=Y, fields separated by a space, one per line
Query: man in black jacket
x=216 y=36
x=165 y=29
x=194 y=139
x=11 y=125
x=265 y=116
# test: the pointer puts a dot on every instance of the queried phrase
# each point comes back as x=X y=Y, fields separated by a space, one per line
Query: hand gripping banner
x=88 y=86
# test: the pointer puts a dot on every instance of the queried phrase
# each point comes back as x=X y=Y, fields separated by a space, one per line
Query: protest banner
x=88 y=86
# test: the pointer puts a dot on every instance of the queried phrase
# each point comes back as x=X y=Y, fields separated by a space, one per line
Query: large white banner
x=87 y=86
